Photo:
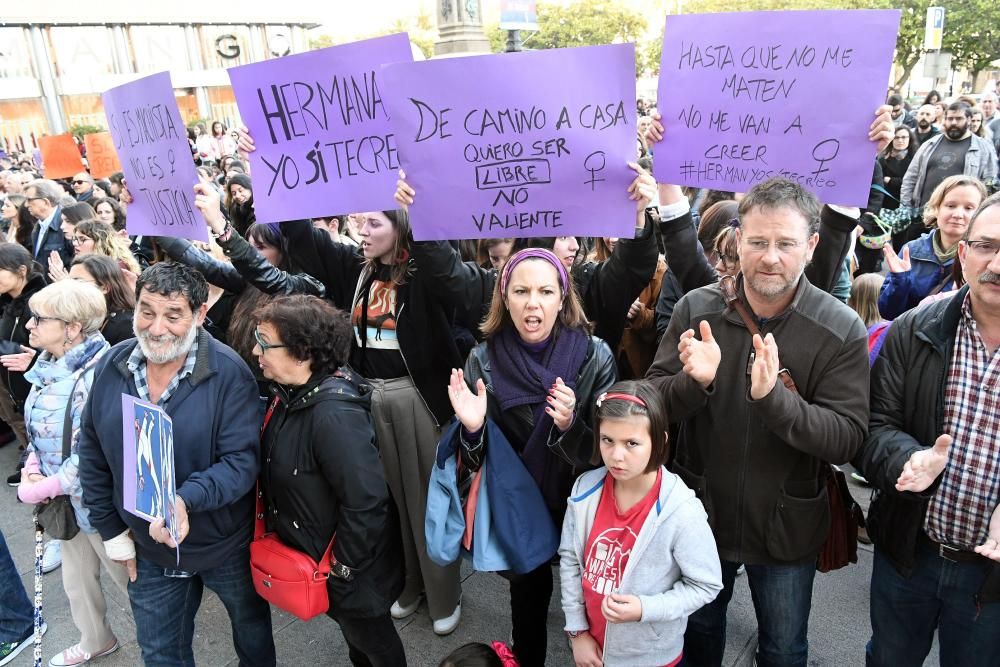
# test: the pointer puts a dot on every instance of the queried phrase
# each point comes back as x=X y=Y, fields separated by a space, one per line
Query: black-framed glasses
x=80 y=182
x=38 y=319
x=263 y=344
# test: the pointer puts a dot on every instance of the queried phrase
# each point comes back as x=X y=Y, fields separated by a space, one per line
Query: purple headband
x=533 y=253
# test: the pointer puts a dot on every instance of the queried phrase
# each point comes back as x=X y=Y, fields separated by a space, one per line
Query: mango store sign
x=530 y=144
x=749 y=96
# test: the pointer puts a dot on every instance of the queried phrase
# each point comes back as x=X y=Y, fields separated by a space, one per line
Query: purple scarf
x=518 y=379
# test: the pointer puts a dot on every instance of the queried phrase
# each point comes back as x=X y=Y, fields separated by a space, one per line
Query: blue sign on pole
x=518 y=15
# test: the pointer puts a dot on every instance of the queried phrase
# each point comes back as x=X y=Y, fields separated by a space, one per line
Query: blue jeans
x=164 y=608
x=17 y=615
x=940 y=594
x=782 y=599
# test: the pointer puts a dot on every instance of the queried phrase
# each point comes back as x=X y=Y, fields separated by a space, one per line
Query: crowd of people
x=653 y=416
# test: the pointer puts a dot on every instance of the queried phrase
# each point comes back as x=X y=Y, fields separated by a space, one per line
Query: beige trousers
x=81 y=571
x=407 y=442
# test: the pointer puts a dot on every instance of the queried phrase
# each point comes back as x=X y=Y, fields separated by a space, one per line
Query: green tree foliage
x=80 y=130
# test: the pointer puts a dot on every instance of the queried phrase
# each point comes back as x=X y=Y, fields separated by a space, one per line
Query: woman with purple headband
x=535 y=377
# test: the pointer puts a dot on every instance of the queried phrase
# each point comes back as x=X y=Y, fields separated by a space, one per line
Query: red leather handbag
x=286 y=577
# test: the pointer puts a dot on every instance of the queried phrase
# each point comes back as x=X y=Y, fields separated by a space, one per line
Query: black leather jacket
x=248 y=268
x=907 y=415
x=573 y=451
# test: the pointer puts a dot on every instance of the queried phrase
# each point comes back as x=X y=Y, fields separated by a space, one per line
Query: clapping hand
x=924 y=466
x=562 y=404
x=57 y=270
x=469 y=408
x=700 y=357
x=764 y=372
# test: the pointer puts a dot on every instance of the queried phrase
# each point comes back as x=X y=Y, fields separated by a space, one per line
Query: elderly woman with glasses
x=64 y=321
x=315 y=486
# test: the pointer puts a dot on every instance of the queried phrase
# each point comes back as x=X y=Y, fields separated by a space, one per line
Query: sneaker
x=446 y=626
x=10 y=650
x=52 y=558
x=859 y=478
x=399 y=611
x=15 y=479
x=75 y=655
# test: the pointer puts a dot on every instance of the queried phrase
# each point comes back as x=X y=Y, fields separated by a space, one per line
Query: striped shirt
x=960 y=510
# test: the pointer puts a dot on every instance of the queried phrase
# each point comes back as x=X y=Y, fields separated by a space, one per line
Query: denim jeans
x=939 y=594
x=782 y=599
x=164 y=608
x=17 y=615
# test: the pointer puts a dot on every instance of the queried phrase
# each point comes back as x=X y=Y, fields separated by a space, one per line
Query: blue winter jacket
x=216 y=445
x=903 y=291
x=45 y=413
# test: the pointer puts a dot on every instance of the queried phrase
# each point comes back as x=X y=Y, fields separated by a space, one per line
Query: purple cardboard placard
x=324 y=142
x=748 y=96
x=518 y=144
x=149 y=485
x=152 y=145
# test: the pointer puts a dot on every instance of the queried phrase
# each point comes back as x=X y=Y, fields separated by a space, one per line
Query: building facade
x=55 y=64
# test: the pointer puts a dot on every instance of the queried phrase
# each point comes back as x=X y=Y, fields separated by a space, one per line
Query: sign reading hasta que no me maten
x=745 y=97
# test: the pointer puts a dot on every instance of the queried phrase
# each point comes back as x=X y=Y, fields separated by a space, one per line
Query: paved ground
x=839 y=624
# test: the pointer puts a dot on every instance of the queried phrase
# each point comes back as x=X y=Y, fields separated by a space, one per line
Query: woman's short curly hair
x=311 y=329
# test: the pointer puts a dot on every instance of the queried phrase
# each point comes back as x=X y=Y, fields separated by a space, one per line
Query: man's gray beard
x=179 y=348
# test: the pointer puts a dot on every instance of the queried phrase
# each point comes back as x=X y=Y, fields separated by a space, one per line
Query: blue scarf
x=520 y=379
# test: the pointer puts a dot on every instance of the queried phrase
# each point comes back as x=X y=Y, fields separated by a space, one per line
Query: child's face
x=626 y=447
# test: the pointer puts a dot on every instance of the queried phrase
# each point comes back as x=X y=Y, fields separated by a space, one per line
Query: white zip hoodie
x=673 y=568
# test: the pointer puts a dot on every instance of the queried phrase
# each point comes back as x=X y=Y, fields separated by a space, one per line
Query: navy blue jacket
x=216 y=445
x=54 y=240
x=903 y=291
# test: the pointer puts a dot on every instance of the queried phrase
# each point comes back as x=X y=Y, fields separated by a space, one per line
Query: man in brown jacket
x=755 y=451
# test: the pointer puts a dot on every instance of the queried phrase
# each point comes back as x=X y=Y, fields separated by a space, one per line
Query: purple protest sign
x=322 y=133
x=152 y=145
x=518 y=144
x=745 y=97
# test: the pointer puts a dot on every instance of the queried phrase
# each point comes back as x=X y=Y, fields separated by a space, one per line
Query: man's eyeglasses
x=983 y=249
x=263 y=344
x=81 y=182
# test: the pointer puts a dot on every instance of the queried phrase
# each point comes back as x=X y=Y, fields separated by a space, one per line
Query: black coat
x=13 y=318
x=439 y=284
x=118 y=327
x=907 y=415
x=573 y=452
x=321 y=475
x=894 y=170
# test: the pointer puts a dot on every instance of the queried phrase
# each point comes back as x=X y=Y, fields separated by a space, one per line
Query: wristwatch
x=341 y=571
x=573 y=634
